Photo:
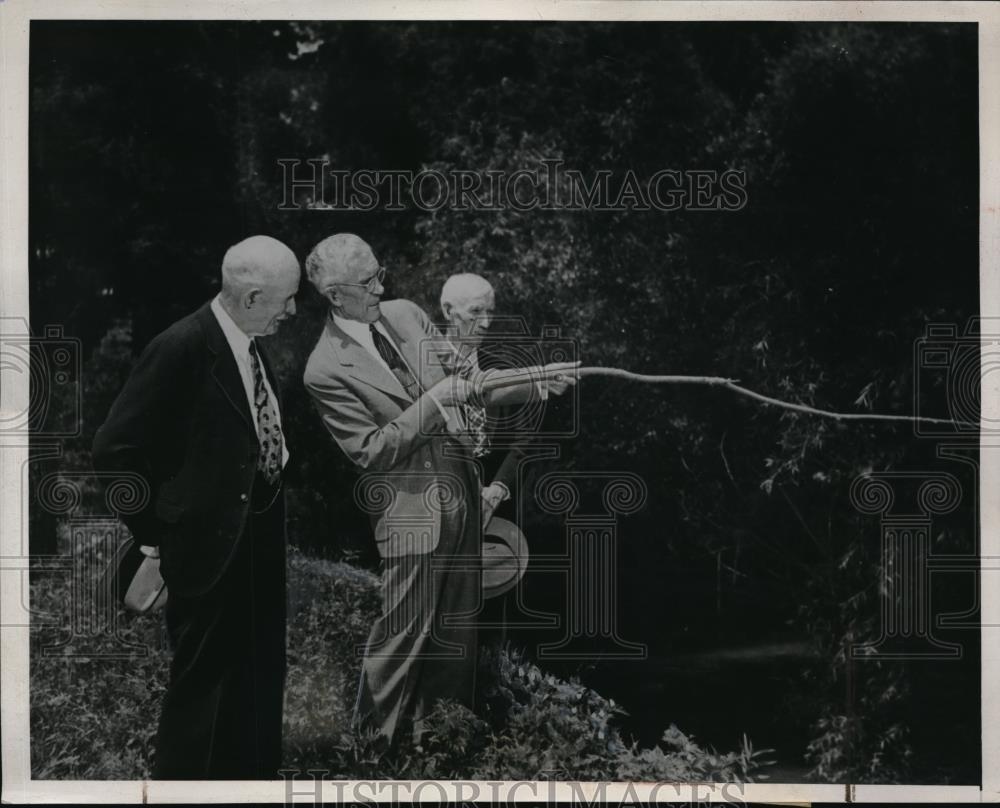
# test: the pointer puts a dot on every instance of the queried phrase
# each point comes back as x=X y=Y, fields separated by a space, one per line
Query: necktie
x=475 y=417
x=395 y=362
x=268 y=429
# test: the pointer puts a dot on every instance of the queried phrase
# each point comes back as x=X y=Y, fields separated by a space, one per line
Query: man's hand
x=452 y=390
x=560 y=376
x=492 y=496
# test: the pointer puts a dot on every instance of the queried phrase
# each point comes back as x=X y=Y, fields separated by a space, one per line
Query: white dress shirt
x=239 y=343
x=360 y=333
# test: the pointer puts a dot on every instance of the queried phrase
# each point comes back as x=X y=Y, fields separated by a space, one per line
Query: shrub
x=539 y=727
x=95 y=717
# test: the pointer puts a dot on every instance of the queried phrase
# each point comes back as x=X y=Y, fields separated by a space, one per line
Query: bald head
x=467 y=302
x=346 y=272
x=463 y=287
x=260 y=277
x=256 y=260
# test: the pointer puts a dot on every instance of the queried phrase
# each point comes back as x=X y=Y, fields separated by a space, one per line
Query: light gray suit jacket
x=419 y=480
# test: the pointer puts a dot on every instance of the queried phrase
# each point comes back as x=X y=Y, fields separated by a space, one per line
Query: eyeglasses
x=369 y=284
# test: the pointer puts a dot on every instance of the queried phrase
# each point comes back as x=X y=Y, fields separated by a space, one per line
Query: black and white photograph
x=451 y=398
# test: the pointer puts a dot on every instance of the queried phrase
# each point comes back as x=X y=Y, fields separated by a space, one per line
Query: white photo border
x=15 y=18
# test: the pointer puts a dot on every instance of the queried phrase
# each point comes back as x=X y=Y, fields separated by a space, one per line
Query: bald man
x=200 y=420
x=379 y=376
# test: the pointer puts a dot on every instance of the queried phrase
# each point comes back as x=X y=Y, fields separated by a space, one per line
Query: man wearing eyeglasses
x=379 y=378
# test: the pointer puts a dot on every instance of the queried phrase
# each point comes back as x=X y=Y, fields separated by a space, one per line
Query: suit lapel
x=361 y=365
x=421 y=353
x=224 y=369
x=428 y=357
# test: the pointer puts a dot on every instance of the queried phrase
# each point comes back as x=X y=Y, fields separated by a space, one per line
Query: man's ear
x=446 y=310
x=251 y=297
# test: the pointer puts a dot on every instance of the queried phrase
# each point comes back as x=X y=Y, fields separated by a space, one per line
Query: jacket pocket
x=409 y=527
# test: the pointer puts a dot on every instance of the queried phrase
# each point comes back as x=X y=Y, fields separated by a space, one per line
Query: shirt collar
x=238 y=341
x=357 y=330
x=471 y=361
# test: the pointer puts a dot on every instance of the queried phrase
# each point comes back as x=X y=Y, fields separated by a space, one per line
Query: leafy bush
x=553 y=726
x=866 y=739
x=94 y=716
x=540 y=727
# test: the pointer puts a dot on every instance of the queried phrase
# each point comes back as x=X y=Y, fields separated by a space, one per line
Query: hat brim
x=505 y=557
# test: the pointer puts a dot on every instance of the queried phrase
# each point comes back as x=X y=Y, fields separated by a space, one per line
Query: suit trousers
x=222 y=714
x=424 y=645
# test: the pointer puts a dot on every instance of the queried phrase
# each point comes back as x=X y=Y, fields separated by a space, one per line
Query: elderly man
x=468 y=303
x=199 y=419
x=382 y=388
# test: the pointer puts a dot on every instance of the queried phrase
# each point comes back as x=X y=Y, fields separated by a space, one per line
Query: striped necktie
x=395 y=362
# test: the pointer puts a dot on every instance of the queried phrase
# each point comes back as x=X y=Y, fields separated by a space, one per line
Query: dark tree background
x=154 y=146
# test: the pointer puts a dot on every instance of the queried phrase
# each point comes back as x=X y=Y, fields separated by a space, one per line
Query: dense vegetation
x=155 y=146
x=94 y=716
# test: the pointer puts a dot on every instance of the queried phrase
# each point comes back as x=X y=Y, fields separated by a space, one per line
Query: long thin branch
x=495 y=379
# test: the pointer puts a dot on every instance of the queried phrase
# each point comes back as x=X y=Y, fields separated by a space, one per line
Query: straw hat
x=505 y=557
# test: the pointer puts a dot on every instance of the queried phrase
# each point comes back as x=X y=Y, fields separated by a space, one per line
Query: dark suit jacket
x=511 y=429
x=183 y=423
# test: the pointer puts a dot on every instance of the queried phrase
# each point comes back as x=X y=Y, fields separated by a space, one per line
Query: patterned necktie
x=268 y=429
x=475 y=417
x=395 y=362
